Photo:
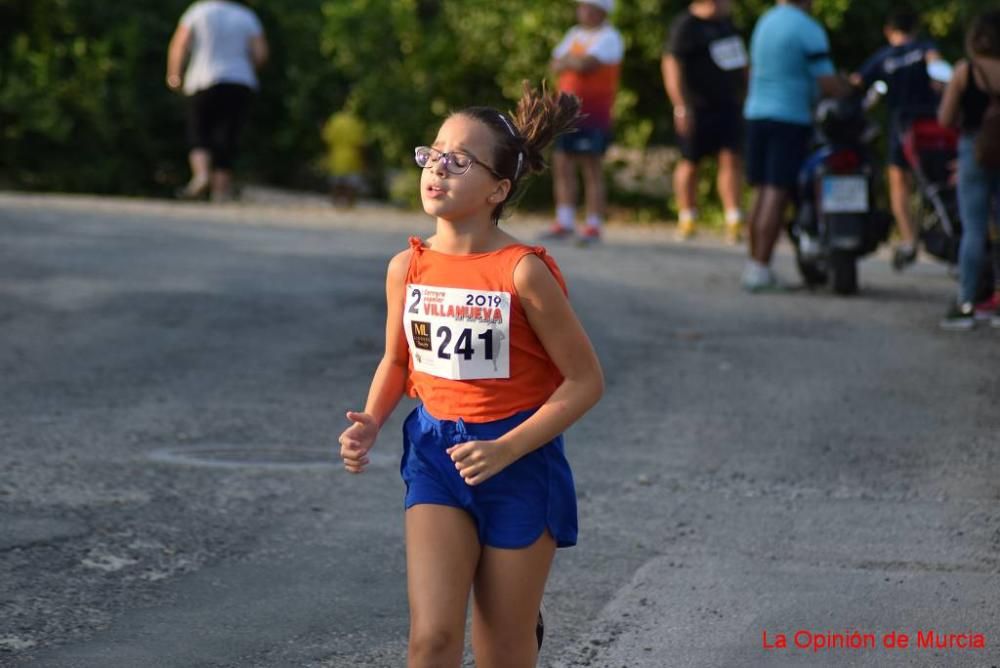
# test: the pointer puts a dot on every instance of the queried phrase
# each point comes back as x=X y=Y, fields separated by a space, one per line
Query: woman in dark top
x=965 y=100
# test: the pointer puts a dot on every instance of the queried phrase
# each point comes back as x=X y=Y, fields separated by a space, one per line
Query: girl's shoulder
x=534 y=267
x=400 y=264
x=983 y=67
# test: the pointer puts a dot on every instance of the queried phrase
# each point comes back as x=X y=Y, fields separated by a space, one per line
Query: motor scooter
x=836 y=221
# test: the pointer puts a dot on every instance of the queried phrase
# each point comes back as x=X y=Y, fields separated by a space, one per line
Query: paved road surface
x=172 y=380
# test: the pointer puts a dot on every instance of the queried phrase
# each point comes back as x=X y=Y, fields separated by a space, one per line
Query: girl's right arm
x=948 y=111
x=389 y=381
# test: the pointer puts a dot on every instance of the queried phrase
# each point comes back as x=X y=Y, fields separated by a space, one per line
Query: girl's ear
x=501 y=191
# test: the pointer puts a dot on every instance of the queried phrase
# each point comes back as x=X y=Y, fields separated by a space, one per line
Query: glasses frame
x=450 y=166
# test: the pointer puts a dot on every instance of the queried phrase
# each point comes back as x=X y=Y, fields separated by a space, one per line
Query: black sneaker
x=960 y=317
x=540 y=627
x=903 y=256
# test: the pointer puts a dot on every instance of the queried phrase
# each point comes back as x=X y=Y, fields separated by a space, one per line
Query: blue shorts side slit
x=512 y=509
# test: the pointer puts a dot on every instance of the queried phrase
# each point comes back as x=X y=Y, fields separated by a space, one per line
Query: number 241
x=463 y=344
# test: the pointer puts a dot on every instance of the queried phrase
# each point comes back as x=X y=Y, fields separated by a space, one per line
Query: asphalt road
x=173 y=379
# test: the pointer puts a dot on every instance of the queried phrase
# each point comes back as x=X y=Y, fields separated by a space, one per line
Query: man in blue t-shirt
x=789 y=64
x=902 y=65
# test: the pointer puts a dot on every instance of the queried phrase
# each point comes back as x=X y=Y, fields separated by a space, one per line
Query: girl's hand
x=357 y=440
x=478 y=461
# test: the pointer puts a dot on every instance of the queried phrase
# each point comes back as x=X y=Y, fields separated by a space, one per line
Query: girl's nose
x=440 y=167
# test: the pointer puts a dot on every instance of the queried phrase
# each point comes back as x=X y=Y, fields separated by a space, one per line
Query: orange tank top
x=473 y=354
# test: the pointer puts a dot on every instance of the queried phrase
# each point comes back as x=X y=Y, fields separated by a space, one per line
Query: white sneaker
x=758 y=277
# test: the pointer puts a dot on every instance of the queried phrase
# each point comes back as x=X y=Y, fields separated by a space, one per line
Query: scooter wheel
x=812 y=274
x=844 y=267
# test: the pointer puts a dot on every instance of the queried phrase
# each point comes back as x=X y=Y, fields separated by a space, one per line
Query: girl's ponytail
x=540 y=117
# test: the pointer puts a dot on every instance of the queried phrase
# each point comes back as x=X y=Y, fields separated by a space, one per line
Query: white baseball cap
x=606 y=5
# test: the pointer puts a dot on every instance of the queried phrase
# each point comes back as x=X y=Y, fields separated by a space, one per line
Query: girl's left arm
x=561 y=334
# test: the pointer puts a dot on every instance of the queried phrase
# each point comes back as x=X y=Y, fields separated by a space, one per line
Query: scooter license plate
x=845 y=194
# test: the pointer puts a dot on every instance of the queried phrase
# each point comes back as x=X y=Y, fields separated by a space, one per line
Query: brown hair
x=983 y=37
x=540 y=117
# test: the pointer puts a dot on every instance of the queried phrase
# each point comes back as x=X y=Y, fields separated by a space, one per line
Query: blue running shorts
x=513 y=508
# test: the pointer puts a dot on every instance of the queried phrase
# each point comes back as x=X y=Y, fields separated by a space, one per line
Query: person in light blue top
x=790 y=67
x=789 y=51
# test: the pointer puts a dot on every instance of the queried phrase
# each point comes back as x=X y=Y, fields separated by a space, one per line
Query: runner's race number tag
x=458 y=334
x=729 y=53
x=845 y=194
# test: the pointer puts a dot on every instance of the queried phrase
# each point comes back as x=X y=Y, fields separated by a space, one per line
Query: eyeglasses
x=454 y=162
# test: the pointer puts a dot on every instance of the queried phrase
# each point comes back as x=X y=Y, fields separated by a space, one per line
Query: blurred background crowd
x=84 y=108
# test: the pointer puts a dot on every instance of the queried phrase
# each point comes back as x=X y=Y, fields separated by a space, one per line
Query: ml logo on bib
x=421 y=334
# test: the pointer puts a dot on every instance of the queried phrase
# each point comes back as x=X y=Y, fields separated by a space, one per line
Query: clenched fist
x=357 y=440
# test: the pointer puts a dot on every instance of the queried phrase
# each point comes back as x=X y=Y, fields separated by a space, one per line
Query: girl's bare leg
x=442 y=550
x=508 y=591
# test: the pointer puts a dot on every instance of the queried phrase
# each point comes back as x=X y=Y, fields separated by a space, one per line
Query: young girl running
x=480 y=330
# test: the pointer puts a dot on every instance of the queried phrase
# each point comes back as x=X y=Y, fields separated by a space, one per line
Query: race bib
x=729 y=53
x=458 y=334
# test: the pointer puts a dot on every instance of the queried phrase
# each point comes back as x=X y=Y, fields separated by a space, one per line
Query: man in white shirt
x=224 y=44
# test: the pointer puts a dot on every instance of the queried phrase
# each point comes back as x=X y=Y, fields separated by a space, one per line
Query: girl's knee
x=435 y=645
x=519 y=653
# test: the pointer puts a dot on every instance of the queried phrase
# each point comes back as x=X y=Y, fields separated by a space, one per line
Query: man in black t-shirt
x=704 y=69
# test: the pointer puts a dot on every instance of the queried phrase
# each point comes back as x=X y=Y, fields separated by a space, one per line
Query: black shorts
x=775 y=152
x=895 y=155
x=712 y=130
x=215 y=119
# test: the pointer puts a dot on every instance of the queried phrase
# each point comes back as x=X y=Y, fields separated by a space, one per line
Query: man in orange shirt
x=587 y=63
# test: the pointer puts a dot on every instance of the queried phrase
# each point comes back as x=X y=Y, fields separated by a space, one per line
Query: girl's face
x=459 y=197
